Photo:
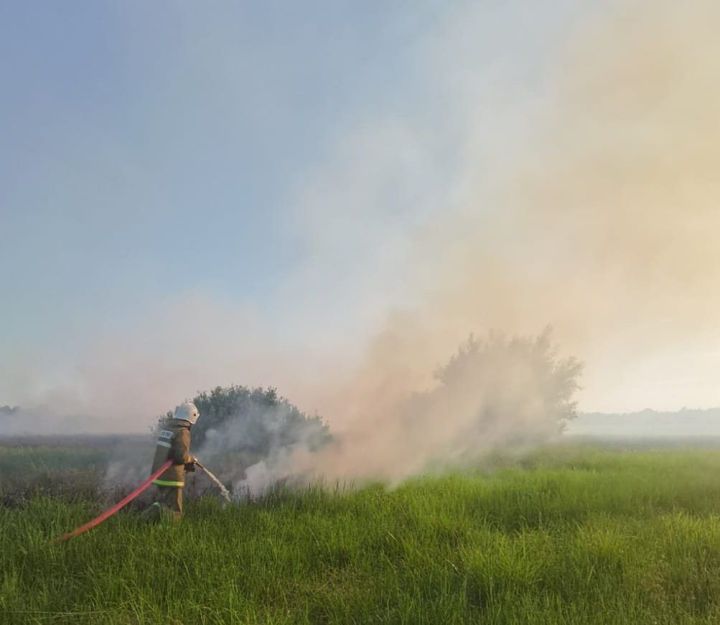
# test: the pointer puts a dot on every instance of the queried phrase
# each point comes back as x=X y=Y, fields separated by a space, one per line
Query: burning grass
x=573 y=535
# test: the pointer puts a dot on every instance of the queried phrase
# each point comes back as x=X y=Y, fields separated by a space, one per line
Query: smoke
x=606 y=216
x=493 y=393
x=596 y=214
x=579 y=191
x=602 y=222
x=124 y=376
x=20 y=421
x=250 y=433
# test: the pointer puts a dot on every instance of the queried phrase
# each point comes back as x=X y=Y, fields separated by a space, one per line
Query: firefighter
x=173 y=443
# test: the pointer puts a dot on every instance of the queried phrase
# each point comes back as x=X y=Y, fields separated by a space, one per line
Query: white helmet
x=187 y=412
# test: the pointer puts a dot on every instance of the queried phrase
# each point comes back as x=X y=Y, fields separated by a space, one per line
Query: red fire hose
x=118 y=506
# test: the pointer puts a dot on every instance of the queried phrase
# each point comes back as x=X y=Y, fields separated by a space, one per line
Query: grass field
x=572 y=535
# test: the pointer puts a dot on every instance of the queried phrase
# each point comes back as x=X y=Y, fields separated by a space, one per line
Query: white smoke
x=589 y=203
x=494 y=393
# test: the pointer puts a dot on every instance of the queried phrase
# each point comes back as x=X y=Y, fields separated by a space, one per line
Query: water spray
x=214 y=479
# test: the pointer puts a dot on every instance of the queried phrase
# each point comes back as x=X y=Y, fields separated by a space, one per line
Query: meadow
x=572 y=534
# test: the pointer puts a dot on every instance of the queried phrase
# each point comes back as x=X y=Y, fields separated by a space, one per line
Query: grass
x=571 y=535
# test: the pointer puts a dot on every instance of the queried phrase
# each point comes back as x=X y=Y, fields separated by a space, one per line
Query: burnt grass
x=72 y=469
x=65 y=468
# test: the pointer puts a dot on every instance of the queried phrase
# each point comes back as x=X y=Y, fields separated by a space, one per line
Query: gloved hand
x=190 y=466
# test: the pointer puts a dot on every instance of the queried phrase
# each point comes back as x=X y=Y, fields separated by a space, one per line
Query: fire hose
x=118 y=506
x=136 y=493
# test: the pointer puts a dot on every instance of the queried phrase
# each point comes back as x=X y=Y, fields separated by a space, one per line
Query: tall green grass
x=568 y=536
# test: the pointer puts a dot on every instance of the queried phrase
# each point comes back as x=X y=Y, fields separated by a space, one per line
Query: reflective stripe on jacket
x=173 y=443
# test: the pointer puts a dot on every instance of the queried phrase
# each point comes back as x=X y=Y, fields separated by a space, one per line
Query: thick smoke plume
x=603 y=223
x=584 y=196
x=493 y=393
x=249 y=432
x=597 y=214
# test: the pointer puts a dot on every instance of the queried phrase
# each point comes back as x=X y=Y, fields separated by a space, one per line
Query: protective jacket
x=173 y=443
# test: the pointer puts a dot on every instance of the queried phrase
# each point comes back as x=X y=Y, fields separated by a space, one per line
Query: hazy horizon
x=644 y=424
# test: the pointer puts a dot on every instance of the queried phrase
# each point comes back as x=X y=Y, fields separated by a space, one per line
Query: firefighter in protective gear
x=173 y=443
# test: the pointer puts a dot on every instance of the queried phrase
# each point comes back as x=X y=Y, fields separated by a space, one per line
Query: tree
x=245 y=425
x=495 y=392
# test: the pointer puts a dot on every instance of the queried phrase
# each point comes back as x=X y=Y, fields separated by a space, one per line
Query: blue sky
x=151 y=148
x=172 y=170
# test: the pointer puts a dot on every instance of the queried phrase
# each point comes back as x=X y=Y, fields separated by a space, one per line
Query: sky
x=195 y=194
